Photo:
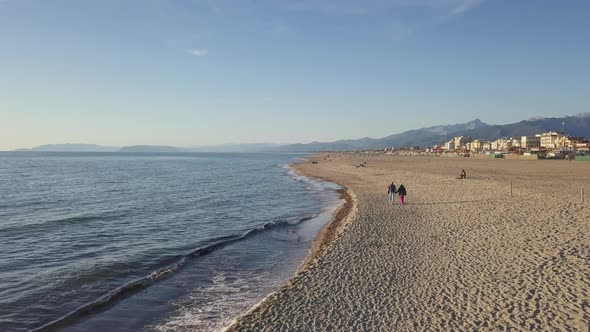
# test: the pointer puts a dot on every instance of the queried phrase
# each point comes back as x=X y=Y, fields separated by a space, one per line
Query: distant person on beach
x=391 y=192
x=401 y=191
x=463 y=174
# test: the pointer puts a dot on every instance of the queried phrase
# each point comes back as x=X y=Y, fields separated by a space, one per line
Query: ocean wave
x=21 y=205
x=312 y=184
x=48 y=224
x=109 y=300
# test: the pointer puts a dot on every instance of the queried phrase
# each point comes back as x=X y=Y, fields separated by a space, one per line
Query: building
x=450 y=145
x=530 y=142
x=573 y=142
x=479 y=145
x=494 y=145
x=550 y=140
x=502 y=144
x=461 y=141
x=515 y=142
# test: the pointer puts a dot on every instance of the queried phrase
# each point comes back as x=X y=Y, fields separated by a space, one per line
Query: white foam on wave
x=213 y=308
x=318 y=185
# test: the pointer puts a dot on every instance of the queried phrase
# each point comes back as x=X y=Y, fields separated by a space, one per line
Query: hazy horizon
x=155 y=145
x=202 y=73
x=245 y=147
x=205 y=146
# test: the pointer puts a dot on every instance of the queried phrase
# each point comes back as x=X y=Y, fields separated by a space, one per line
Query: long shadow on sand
x=444 y=203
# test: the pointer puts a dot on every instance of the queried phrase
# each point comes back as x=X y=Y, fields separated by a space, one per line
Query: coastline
x=440 y=262
x=206 y=296
x=332 y=229
x=340 y=219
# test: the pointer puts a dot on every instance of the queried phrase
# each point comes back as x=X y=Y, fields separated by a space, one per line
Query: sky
x=205 y=72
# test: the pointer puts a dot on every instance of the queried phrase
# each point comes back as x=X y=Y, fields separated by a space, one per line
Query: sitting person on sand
x=391 y=192
x=463 y=174
x=401 y=191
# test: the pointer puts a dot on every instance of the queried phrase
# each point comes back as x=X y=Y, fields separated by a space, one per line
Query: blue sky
x=191 y=73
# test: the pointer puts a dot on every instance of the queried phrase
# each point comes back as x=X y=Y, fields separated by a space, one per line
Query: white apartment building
x=550 y=140
x=501 y=144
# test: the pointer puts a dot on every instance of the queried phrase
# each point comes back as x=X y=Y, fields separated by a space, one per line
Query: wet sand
x=461 y=254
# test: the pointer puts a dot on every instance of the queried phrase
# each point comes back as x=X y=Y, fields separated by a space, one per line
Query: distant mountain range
x=69 y=147
x=152 y=149
x=577 y=125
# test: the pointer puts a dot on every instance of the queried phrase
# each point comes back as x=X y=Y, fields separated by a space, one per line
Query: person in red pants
x=401 y=191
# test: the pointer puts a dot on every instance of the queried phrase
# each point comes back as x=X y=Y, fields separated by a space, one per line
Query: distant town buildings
x=458 y=143
x=553 y=143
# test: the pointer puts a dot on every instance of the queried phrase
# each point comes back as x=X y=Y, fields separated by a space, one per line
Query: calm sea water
x=148 y=242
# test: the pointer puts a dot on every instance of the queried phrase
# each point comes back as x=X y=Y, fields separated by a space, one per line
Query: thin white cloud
x=466 y=6
x=344 y=7
x=400 y=18
x=369 y=7
x=199 y=52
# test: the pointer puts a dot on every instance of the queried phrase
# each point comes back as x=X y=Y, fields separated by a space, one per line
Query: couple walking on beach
x=401 y=191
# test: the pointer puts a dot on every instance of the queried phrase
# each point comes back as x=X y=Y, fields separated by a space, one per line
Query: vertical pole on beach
x=510 y=188
x=581 y=195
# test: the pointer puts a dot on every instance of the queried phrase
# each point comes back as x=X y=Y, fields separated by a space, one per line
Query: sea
x=150 y=242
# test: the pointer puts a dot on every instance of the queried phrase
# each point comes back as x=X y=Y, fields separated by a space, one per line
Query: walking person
x=401 y=191
x=391 y=192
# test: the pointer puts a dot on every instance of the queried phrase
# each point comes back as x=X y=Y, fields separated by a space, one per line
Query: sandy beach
x=460 y=255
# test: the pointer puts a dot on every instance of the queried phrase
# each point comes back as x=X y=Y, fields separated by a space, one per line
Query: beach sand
x=461 y=255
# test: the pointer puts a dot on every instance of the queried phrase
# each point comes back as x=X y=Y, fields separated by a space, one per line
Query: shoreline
x=340 y=219
x=440 y=262
x=337 y=223
x=330 y=231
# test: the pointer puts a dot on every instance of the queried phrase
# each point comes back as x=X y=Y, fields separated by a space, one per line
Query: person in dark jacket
x=401 y=191
x=391 y=192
